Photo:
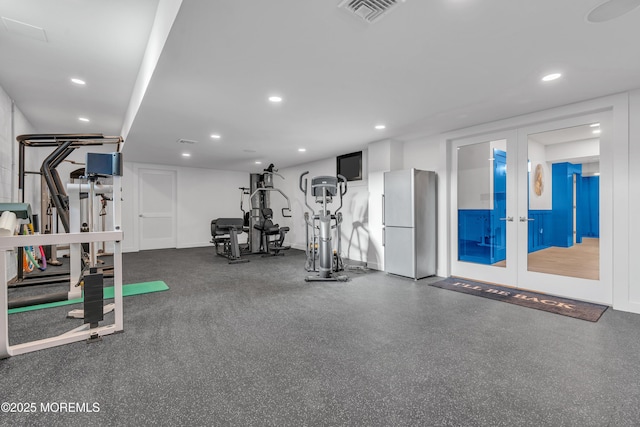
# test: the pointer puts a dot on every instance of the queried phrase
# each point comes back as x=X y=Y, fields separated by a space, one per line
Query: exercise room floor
x=254 y=345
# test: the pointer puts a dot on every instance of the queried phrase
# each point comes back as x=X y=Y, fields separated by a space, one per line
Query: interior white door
x=483 y=206
x=578 y=256
x=157 y=208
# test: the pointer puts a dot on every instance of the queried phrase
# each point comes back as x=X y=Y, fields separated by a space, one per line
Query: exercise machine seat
x=268 y=228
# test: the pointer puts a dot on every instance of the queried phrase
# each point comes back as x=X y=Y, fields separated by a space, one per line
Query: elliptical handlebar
x=342 y=183
x=342 y=180
x=304 y=190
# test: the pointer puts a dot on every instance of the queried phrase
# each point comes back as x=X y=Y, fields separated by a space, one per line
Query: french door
x=532 y=207
x=483 y=206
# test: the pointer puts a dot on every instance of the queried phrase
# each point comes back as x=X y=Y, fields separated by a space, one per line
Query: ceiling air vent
x=369 y=10
x=186 y=141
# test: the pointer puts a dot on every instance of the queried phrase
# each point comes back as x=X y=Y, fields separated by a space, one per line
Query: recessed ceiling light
x=380 y=127
x=302 y=150
x=275 y=99
x=594 y=125
x=258 y=163
x=550 y=77
x=78 y=81
x=597 y=131
x=215 y=136
x=83 y=119
x=186 y=154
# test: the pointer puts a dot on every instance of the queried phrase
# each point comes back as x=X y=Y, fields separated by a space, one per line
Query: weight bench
x=224 y=233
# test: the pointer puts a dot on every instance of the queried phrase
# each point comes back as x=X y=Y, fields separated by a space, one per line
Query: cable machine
x=84 y=279
x=264 y=237
x=261 y=187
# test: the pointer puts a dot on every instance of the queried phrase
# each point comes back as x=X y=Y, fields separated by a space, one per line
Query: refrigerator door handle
x=383 y=234
x=383 y=209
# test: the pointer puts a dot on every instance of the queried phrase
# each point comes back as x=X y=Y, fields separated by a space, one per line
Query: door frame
x=619 y=105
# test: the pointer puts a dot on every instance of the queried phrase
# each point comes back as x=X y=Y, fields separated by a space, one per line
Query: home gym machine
x=321 y=256
x=54 y=198
x=264 y=237
x=84 y=279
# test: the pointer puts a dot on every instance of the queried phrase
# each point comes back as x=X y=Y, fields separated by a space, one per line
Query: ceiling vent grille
x=186 y=141
x=369 y=10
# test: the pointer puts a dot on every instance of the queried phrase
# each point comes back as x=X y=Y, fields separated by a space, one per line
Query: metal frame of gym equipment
x=224 y=235
x=54 y=199
x=93 y=306
x=225 y=231
x=260 y=189
x=320 y=226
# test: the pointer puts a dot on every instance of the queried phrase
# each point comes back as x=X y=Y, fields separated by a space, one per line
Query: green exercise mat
x=127 y=290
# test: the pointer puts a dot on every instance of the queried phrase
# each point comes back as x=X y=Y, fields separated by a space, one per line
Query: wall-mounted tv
x=350 y=166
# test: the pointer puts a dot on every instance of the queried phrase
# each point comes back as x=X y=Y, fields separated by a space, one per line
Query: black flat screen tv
x=350 y=166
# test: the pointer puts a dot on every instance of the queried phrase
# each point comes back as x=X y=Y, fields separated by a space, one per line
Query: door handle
x=525 y=219
x=383 y=210
x=509 y=218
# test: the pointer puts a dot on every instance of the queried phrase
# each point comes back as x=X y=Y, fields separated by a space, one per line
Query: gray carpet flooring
x=255 y=345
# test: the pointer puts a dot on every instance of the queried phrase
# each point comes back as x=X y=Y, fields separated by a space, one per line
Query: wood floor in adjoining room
x=581 y=260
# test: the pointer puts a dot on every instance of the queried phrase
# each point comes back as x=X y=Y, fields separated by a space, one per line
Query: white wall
x=202 y=195
x=634 y=200
x=570 y=151
x=12 y=123
x=474 y=177
x=6 y=147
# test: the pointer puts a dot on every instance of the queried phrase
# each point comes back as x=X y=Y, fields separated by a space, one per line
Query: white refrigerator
x=409 y=222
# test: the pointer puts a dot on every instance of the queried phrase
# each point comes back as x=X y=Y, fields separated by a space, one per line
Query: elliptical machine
x=320 y=225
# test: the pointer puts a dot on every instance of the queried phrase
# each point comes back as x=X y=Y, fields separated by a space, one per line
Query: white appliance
x=409 y=221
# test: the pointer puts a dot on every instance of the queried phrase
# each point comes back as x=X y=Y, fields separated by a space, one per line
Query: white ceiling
x=426 y=68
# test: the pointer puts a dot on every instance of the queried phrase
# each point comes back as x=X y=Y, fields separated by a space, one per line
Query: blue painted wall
x=588 y=207
x=562 y=203
x=540 y=230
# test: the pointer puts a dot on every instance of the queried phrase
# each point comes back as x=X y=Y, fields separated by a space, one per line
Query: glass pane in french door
x=564 y=202
x=481 y=189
